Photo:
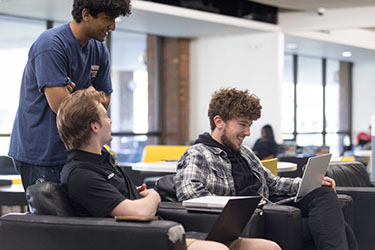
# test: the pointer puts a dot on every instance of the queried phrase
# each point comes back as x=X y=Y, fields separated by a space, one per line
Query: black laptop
x=231 y=221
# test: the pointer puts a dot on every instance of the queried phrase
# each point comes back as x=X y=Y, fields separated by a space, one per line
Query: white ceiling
x=346 y=24
x=311 y=5
x=342 y=25
x=146 y=17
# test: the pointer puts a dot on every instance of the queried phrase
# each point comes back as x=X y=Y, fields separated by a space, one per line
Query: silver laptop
x=312 y=178
x=231 y=222
x=213 y=203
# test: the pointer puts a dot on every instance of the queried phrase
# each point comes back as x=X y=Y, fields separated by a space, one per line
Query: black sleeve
x=93 y=192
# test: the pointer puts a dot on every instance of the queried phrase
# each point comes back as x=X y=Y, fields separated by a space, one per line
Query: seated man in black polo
x=95 y=185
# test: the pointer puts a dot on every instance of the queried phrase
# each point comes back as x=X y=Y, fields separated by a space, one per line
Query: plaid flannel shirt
x=204 y=170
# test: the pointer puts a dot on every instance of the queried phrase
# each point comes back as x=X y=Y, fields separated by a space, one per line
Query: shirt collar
x=80 y=155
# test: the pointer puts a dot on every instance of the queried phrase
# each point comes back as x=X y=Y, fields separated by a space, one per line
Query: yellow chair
x=347 y=158
x=271 y=164
x=154 y=153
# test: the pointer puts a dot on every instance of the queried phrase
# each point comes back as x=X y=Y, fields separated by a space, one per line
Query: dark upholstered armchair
x=352 y=179
x=51 y=225
x=280 y=223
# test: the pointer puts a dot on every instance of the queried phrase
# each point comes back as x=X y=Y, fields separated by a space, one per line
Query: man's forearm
x=144 y=207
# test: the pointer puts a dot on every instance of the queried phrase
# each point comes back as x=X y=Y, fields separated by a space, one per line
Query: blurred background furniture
x=154 y=153
x=271 y=164
x=52 y=225
x=6 y=165
x=353 y=179
x=11 y=189
x=157 y=161
x=300 y=160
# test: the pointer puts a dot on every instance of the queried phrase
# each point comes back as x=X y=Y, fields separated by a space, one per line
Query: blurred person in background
x=266 y=147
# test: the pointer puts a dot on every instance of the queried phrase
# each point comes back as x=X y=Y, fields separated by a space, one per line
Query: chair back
x=271 y=164
x=166 y=188
x=6 y=165
x=349 y=174
x=48 y=198
x=154 y=153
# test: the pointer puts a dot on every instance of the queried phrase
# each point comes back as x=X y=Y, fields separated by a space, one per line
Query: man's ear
x=85 y=14
x=219 y=123
x=94 y=127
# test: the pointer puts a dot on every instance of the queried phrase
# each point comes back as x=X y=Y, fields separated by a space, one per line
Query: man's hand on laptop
x=329 y=182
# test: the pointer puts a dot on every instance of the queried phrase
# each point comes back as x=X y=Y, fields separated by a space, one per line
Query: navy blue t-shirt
x=54 y=56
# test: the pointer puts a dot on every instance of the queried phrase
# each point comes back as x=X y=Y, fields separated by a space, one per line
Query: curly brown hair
x=75 y=115
x=229 y=103
x=112 y=8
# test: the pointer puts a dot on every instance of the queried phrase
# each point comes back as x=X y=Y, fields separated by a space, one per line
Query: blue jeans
x=31 y=174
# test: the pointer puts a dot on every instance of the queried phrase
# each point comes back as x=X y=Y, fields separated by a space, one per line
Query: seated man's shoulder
x=203 y=148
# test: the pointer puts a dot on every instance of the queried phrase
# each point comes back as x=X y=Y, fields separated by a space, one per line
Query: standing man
x=218 y=164
x=62 y=60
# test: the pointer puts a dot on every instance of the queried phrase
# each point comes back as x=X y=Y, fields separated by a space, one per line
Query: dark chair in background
x=53 y=226
x=353 y=179
x=11 y=190
x=6 y=165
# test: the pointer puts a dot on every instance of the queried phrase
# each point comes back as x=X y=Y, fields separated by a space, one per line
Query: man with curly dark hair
x=218 y=164
x=62 y=60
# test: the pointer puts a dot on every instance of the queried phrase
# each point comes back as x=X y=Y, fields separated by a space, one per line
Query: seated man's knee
x=207 y=245
x=256 y=244
x=324 y=192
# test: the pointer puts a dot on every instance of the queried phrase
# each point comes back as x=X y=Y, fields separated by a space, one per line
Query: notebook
x=312 y=178
x=232 y=220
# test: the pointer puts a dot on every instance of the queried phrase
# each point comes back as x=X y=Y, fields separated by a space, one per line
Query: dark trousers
x=31 y=174
x=326 y=221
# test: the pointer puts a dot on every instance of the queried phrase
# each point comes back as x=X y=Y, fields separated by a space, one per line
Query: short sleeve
x=50 y=69
x=93 y=192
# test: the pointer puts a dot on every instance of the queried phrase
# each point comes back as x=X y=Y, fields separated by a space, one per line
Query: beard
x=227 y=142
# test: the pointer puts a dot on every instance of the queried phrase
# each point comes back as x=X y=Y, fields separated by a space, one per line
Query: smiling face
x=233 y=132
x=99 y=27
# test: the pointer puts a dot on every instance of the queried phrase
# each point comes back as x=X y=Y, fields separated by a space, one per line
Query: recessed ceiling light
x=346 y=54
x=291 y=46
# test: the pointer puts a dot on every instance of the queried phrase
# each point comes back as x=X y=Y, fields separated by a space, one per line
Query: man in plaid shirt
x=218 y=164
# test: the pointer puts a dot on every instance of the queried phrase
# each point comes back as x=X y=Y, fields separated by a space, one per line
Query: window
x=129 y=109
x=17 y=35
x=316 y=102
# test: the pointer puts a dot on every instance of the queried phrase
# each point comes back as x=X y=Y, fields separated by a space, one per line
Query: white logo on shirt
x=110 y=175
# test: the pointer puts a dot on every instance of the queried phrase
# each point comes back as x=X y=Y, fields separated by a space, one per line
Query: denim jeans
x=31 y=174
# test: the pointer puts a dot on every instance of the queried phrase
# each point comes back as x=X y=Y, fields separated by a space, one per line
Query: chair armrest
x=48 y=232
x=284 y=225
x=364 y=214
x=347 y=207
